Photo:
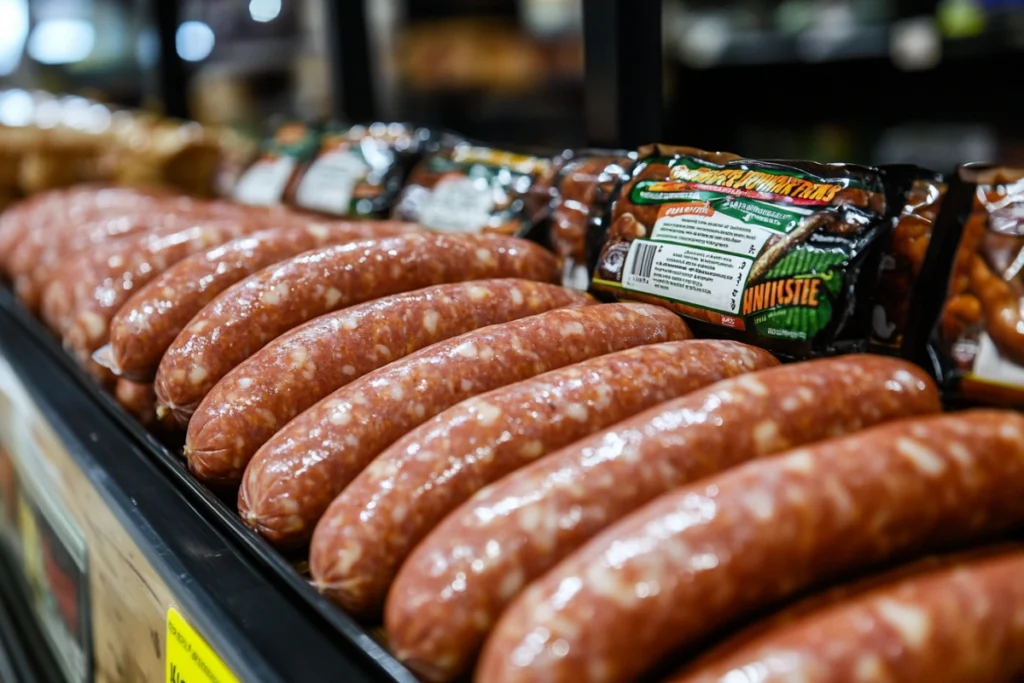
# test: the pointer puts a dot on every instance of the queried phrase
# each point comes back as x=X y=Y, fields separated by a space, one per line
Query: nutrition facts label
x=696 y=256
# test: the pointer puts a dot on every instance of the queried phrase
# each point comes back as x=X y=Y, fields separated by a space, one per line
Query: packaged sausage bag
x=468 y=187
x=780 y=254
x=358 y=170
x=577 y=191
x=969 y=324
x=268 y=179
x=919 y=192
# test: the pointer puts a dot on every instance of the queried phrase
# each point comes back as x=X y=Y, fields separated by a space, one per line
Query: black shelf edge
x=261 y=617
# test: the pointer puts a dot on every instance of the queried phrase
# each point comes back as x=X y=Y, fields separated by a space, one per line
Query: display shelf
x=156 y=540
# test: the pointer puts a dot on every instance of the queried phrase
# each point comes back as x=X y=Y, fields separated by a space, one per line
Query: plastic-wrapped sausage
x=145 y=327
x=321 y=451
x=296 y=370
x=710 y=553
x=247 y=315
x=519 y=527
x=948 y=620
x=437 y=466
x=971 y=332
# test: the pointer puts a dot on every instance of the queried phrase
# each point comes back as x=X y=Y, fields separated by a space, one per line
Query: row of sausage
x=578 y=491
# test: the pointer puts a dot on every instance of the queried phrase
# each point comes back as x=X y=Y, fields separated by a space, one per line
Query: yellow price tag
x=190 y=659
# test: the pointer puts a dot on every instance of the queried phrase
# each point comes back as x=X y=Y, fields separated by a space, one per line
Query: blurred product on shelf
x=919 y=195
x=467 y=187
x=60 y=141
x=461 y=54
x=358 y=170
x=970 y=325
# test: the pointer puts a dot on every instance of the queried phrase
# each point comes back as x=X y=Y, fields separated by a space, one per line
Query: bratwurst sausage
x=957 y=622
x=440 y=464
x=316 y=456
x=296 y=370
x=144 y=328
x=712 y=552
x=244 y=317
x=113 y=274
x=539 y=514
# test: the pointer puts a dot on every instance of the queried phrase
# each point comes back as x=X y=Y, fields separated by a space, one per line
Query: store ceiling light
x=16 y=107
x=13 y=32
x=61 y=41
x=264 y=10
x=194 y=41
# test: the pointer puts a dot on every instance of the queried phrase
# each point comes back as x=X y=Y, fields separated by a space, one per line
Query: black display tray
x=375 y=662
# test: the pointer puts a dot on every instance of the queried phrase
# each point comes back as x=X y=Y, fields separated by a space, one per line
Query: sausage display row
x=522 y=482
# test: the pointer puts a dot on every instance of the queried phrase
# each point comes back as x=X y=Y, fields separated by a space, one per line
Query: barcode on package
x=643 y=262
x=707 y=279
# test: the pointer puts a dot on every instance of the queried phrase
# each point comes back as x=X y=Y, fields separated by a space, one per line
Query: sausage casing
x=144 y=328
x=712 y=552
x=321 y=451
x=299 y=368
x=112 y=276
x=247 y=315
x=411 y=486
x=951 y=620
x=539 y=514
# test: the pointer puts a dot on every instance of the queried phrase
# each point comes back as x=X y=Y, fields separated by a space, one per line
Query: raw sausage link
x=139 y=399
x=710 y=553
x=113 y=275
x=244 y=317
x=411 y=486
x=296 y=370
x=302 y=470
x=38 y=269
x=145 y=327
x=64 y=288
x=50 y=211
x=413 y=390
x=536 y=516
x=955 y=623
x=109 y=264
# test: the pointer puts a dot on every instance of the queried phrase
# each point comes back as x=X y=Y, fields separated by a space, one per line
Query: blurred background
x=857 y=80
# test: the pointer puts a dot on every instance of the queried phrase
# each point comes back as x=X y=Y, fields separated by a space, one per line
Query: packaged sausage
x=969 y=326
x=268 y=179
x=467 y=187
x=780 y=254
x=919 y=192
x=577 y=190
x=358 y=170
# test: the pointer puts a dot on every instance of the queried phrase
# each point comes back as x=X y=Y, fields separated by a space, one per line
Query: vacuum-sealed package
x=919 y=192
x=466 y=187
x=577 y=190
x=780 y=254
x=268 y=179
x=970 y=321
x=359 y=170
